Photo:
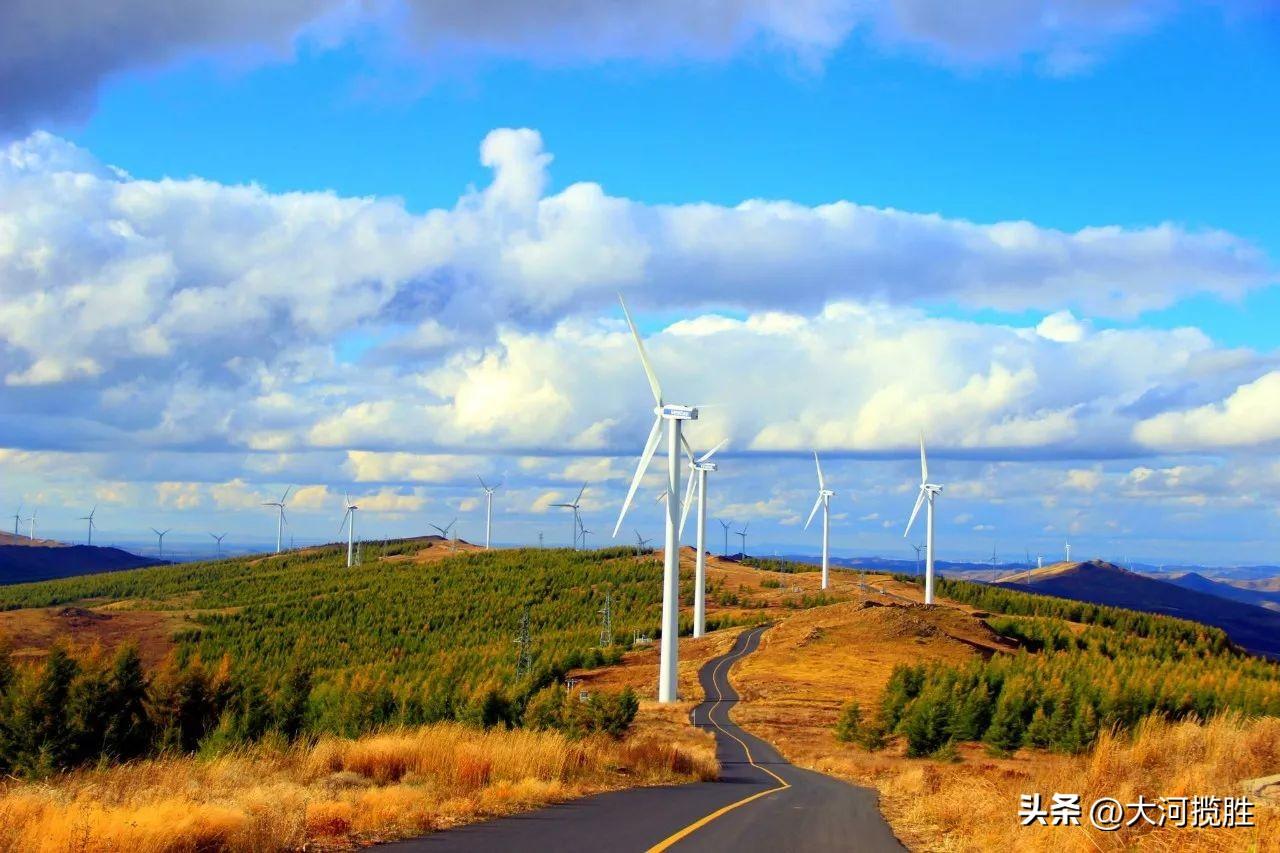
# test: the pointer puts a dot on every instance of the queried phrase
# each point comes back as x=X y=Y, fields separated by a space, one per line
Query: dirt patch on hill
x=32 y=632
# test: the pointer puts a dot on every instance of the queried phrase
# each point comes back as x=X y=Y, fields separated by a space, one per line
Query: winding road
x=759 y=803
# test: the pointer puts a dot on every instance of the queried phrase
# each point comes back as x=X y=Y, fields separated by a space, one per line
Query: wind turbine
x=1068 y=549
x=31 y=531
x=17 y=518
x=488 y=507
x=743 y=533
x=444 y=531
x=928 y=492
x=89 y=518
x=824 y=501
x=919 y=550
x=675 y=415
x=219 y=539
x=585 y=531
x=160 y=535
x=994 y=573
x=351 y=530
x=641 y=542
x=279 y=505
x=577 y=520
x=700 y=468
x=726 y=525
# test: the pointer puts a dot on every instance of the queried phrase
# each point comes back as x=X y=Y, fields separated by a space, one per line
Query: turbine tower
x=350 y=515
x=700 y=468
x=743 y=533
x=160 y=535
x=1068 y=549
x=89 y=518
x=577 y=519
x=928 y=492
x=279 y=505
x=919 y=550
x=17 y=519
x=31 y=531
x=219 y=539
x=824 y=501
x=488 y=507
x=585 y=531
x=726 y=525
x=675 y=415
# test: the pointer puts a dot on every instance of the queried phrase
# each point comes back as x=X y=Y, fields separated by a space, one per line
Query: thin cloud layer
x=55 y=57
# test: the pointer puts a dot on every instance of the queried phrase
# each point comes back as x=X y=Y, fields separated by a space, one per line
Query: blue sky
x=1122 y=116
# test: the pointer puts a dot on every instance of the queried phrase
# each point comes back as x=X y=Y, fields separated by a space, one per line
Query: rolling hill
x=23 y=561
x=1253 y=628
x=1259 y=597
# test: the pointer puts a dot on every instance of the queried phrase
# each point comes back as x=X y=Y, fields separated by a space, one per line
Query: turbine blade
x=482 y=485
x=822 y=484
x=813 y=511
x=650 y=447
x=688 y=450
x=581 y=492
x=688 y=502
x=914 y=513
x=712 y=452
x=343 y=525
x=286 y=493
x=924 y=462
x=644 y=358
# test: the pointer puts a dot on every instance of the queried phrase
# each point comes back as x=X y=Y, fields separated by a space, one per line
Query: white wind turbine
x=577 y=519
x=488 y=507
x=160 y=535
x=700 y=468
x=928 y=492
x=675 y=415
x=350 y=515
x=279 y=505
x=1067 y=558
x=31 y=531
x=89 y=518
x=218 y=538
x=824 y=500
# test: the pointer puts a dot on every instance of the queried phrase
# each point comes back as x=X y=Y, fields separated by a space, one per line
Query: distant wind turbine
x=89 y=518
x=824 y=501
x=488 y=507
x=726 y=525
x=279 y=505
x=444 y=531
x=160 y=535
x=700 y=467
x=919 y=550
x=1067 y=546
x=675 y=415
x=641 y=542
x=17 y=519
x=350 y=515
x=743 y=534
x=928 y=492
x=585 y=531
x=219 y=539
x=577 y=519
x=31 y=531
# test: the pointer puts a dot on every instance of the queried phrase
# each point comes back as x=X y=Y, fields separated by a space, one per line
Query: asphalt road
x=760 y=802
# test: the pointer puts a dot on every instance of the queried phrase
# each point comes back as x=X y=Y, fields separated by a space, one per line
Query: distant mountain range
x=22 y=559
x=1252 y=627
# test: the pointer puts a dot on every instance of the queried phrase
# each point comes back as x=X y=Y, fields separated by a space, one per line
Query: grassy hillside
x=1102 y=583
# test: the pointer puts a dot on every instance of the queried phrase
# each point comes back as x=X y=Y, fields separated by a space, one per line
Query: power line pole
x=606 y=622
x=524 y=659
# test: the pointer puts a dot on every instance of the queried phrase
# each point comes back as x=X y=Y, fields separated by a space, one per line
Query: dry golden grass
x=337 y=793
x=815 y=660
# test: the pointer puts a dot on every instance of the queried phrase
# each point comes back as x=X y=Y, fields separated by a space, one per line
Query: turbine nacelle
x=676 y=412
x=703 y=466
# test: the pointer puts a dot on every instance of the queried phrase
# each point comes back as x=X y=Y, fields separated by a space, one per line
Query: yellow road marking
x=783 y=784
